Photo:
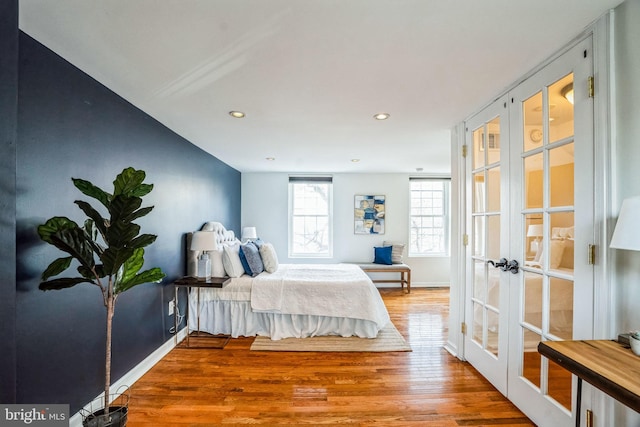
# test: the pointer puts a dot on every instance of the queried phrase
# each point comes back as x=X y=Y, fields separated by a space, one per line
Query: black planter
x=117 y=418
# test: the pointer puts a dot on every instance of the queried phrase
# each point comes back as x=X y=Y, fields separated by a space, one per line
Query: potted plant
x=110 y=255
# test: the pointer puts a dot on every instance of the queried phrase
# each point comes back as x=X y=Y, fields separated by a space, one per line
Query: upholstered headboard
x=223 y=236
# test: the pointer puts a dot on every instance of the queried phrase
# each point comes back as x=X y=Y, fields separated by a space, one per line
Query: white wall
x=627 y=173
x=265 y=206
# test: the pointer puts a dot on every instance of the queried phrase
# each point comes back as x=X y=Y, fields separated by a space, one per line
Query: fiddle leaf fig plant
x=109 y=250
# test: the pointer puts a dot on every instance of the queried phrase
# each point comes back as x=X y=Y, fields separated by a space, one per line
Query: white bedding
x=339 y=300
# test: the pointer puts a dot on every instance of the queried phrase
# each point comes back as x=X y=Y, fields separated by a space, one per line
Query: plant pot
x=117 y=418
x=118 y=410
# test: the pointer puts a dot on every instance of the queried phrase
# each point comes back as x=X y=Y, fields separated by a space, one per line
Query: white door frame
x=604 y=206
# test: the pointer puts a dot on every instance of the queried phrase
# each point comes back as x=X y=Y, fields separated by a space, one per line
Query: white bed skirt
x=235 y=318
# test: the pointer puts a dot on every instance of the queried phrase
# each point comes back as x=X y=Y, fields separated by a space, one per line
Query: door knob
x=512 y=266
x=500 y=264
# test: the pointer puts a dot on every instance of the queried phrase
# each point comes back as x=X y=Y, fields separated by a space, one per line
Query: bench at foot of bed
x=403 y=269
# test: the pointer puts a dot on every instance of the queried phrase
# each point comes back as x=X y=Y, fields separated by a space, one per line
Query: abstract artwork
x=369 y=214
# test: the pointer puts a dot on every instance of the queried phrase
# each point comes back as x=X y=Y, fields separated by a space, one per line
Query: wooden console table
x=606 y=365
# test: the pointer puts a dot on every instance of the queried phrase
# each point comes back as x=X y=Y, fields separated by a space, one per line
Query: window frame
x=293 y=180
x=446 y=216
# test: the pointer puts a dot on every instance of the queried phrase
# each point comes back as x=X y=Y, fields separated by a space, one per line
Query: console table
x=194 y=282
x=606 y=365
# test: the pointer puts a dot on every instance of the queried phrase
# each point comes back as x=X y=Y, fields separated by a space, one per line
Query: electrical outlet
x=172 y=306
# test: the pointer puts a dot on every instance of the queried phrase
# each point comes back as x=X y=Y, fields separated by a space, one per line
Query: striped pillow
x=396 y=251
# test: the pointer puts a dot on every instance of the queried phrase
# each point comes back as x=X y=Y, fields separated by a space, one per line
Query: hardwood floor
x=234 y=386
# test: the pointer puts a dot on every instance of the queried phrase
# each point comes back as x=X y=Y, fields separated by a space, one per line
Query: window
x=429 y=217
x=310 y=219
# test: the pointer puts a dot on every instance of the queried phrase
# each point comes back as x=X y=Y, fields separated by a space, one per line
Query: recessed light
x=271 y=159
x=419 y=169
x=381 y=116
x=236 y=114
x=355 y=160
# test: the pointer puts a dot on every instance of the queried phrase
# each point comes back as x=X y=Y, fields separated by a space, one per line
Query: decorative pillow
x=557 y=249
x=269 y=257
x=231 y=261
x=250 y=258
x=396 y=251
x=258 y=242
x=217 y=268
x=382 y=255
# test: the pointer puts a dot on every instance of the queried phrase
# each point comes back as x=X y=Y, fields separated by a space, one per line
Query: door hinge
x=591 y=255
x=463 y=328
x=464 y=151
x=465 y=239
x=589 y=418
x=591 y=87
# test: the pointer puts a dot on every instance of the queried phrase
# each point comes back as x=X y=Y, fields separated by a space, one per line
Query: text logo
x=34 y=415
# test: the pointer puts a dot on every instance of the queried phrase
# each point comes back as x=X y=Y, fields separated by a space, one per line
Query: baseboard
x=416 y=285
x=132 y=376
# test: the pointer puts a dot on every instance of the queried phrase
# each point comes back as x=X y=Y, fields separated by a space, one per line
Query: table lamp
x=535 y=230
x=249 y=233
x=204 y=241
x=626 y=235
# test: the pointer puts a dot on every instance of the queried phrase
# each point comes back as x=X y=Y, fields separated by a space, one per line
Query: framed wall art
x=369 y=214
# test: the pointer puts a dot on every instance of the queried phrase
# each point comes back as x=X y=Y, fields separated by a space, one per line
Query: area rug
x=388 y=339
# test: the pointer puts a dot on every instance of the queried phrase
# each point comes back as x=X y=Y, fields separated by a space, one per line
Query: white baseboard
x=132 y=376
x=416 y=285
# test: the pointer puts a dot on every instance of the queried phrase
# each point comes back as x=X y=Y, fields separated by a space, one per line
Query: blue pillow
x=250 y=259
x=382 y=255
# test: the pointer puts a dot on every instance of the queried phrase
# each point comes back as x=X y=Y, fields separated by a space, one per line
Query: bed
x=293 y=300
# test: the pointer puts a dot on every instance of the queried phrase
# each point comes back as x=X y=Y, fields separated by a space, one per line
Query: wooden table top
x=607 y=365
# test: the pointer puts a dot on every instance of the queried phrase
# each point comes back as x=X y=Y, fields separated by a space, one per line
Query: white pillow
x=557 y=250
x=217 y=267
x=269 y=257
x=231 y=261
x=397 y=249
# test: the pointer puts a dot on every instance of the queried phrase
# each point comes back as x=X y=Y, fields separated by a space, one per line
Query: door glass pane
x=478 y=192
x=559 y=384
x=478 y=236
x=479 y=280
x=533 y=181
x=533 y=229
x=478 y=148
x=532 y=111
x=492 y=143
x=561 y=109
x=533 y=299
x=492 y=331
x=478 y=321
x=562 y=233
x=493 y=237
x=493 y=189
x=561 y=308
x=531 y=359
x=561 y=176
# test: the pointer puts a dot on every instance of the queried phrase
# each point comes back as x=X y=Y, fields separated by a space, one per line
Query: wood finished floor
x=235 y=386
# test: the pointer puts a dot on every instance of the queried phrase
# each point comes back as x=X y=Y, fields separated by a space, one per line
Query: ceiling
x=310 y=75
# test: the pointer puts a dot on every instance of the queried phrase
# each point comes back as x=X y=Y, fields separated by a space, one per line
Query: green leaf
x=62 y=283
x=89 y=274
x=142 y=190
x=57 y=267
x=89 y=211
x=132 y=266
x=120 y=234
x=114 y=258
x=154 y=275
x=91 y=190
x=128 y=181
x=53 y=225
x=140 y=213
x=142 y=240
x=74 y=242
x=122 y=207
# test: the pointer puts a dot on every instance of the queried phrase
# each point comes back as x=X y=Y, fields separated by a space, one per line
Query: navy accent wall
x=69 y=125
x=8 y=136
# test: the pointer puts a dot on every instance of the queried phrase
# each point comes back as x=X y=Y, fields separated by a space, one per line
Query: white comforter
x=338 y=290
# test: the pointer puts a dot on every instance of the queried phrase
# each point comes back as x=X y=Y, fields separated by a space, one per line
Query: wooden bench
x=403 y=269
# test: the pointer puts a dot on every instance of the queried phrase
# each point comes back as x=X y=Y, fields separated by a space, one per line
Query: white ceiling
x=310 y=74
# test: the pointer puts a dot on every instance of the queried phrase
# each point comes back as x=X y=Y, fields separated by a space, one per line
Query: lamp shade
x=627 y=232
x=203 y=241
x=249 y=233
x=534 y=230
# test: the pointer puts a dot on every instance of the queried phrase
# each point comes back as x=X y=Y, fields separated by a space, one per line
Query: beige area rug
x=388 y=339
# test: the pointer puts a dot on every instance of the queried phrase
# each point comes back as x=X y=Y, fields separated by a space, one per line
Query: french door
x=531 y=222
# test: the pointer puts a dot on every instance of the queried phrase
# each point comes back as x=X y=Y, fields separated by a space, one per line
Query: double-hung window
x=310 y=216
x=429 y=217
